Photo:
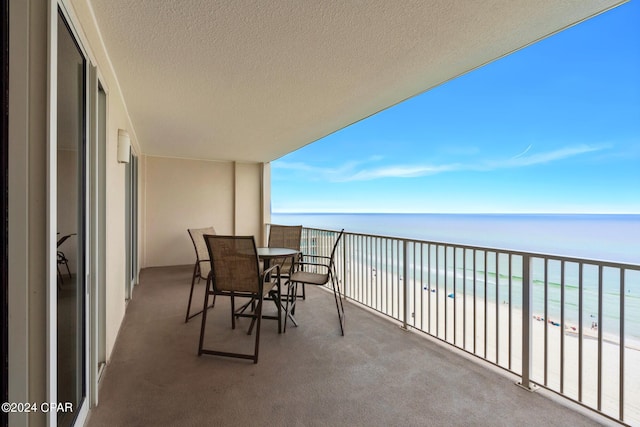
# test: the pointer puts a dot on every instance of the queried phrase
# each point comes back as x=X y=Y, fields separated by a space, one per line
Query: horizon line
x=448 y=213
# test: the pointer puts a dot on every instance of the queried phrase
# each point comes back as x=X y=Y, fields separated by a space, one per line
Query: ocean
x=614 y=238
x=601 y=237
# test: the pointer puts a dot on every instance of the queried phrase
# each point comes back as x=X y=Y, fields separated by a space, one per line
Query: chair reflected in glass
x=202 y=266
x=319 y=271
x=285 y=236
x=62 y=258
x=235 y=272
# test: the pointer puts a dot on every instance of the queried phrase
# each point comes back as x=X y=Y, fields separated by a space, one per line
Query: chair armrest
x=316 y=256
x=269 y=270
x=300 y=265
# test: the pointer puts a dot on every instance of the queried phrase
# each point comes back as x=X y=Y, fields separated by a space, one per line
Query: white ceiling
x=252 y=80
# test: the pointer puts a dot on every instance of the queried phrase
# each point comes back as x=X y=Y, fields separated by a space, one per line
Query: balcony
x=437 y=366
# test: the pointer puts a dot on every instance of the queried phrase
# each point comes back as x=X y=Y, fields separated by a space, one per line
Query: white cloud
x=353 y=171
x=551 y=156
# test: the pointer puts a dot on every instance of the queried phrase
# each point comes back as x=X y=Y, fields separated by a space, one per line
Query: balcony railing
x=569 y=325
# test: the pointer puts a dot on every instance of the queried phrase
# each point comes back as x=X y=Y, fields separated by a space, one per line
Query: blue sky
x=553 y=128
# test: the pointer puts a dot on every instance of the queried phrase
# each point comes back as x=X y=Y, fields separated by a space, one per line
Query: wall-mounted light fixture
x=124 y=146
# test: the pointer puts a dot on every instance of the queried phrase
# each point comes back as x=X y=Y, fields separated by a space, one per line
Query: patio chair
x=285 y=236
x=319 y=273
x=235 y=272
x=202 y=266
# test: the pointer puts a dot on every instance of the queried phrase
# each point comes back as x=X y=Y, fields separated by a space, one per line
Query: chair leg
x=204 y=318
x=259 y=319
x=292 y=294
x=60 y=277
x=233 y=312
x=193 y=282
x=66 y=264
x=277 y=298
x=339 y=306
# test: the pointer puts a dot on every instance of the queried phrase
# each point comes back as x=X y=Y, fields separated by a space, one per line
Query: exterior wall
x=27 y=207
x=117 y=118
x=248 y=194
x=174 y=195
x=266 y=199
x=182 y=194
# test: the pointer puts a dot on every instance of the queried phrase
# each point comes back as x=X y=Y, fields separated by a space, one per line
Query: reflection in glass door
x=71 y=214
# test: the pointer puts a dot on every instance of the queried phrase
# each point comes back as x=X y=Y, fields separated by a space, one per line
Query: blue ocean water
x=593 y=236
x=614 y=238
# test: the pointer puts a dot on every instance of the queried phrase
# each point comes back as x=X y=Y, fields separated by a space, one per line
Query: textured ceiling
x=254 y=80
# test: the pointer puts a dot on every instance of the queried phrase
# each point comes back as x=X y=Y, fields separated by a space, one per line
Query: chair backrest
x=234 y=263
x=202 y=255
x=64 y=239
x=285 y=236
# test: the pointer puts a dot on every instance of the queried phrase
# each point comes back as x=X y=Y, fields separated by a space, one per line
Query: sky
x=552 y=128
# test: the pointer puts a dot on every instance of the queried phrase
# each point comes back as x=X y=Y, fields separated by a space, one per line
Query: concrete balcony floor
x=376 y=375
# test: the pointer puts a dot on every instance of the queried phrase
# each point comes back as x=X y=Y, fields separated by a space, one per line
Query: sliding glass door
x=71 y=353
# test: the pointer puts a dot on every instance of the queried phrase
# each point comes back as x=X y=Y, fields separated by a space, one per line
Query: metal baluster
x=429 y=285
x=464 y=298
x=580 y=331
x=600 y=288
x=546 y=316
x=455 y=296
x=562 y=326
x=446 y=291
x=485 y=302
x=527 y=299
x=415 y=302
x=421 y=285
x=622 y=345
x=405 y=274
x=497 y=311
x=475 y=318
x=399 y=281
x=376 y=262
x=437 y=290
x=510 y=270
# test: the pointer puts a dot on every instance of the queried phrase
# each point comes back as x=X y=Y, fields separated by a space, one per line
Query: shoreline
x=590 y=333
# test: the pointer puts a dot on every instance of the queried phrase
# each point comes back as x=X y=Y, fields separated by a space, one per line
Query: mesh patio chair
x=202 y=266
x=285 y=236
x=318 y=273
x=235 y=272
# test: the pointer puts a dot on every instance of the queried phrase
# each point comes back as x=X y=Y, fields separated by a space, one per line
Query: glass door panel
x=71 y=214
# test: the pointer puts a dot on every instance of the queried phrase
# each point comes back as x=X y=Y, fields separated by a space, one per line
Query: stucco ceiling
x=252 y=80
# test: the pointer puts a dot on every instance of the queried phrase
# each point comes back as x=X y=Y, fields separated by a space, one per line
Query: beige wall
x=117 y=118
x=182 y=194
x=248 y=195
x=27 y=207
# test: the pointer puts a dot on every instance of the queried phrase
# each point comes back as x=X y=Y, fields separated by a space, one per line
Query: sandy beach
x=500 y=356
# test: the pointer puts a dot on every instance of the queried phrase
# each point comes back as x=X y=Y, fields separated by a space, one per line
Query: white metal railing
x=570 y=325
